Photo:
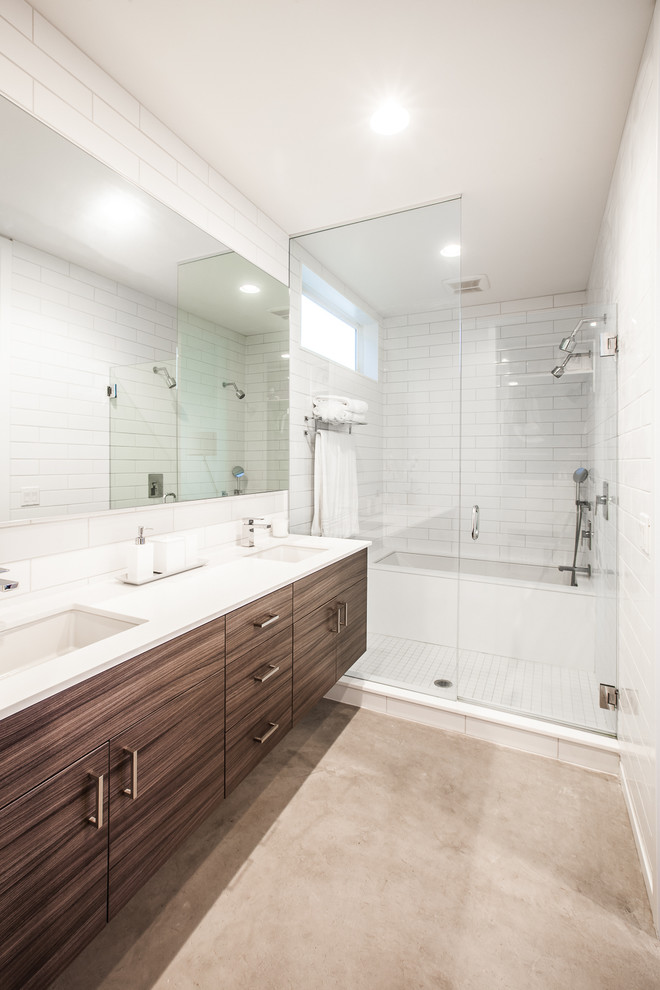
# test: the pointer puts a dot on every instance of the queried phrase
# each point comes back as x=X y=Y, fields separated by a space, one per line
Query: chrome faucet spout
x=6 y=584
x=249 y=526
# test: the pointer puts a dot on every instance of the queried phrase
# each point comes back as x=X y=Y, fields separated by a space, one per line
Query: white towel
x=335 y=486
x=358 y=406
x=331 y=411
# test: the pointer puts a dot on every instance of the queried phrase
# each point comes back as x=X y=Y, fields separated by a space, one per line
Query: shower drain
x=442 y=682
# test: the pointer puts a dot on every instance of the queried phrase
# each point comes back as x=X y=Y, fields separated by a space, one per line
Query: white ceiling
x=518 y=105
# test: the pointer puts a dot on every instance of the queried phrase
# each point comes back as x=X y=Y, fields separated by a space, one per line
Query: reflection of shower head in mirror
x=169 y=381
x=240 y=394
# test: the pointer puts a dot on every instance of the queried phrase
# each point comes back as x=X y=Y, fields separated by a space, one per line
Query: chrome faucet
x=249 y=526
x=5 y=583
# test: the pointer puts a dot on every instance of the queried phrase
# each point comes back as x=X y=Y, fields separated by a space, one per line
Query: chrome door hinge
x=609 y=697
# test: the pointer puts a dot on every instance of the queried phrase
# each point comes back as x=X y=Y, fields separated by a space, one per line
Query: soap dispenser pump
x=140 y=563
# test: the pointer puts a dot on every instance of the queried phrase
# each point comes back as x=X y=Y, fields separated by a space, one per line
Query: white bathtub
x=522 y=611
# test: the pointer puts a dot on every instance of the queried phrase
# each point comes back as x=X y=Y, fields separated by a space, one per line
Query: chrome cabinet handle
x=268 y=733
x=97 y=819
x=344 y=606
x=475 y=522
x=337 y=615
x=132 y=791
x=267 y=622
x=272 y=669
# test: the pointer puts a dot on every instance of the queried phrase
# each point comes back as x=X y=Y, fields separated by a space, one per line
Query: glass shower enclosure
x=486 y=473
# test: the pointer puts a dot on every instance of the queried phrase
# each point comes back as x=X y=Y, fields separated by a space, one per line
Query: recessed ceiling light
x=249 y=289
x=512 y=383
x=389 y=119
x=451 y=251
x=286 y=357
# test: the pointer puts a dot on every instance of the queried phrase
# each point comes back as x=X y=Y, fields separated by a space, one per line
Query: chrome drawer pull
x=267 y=622
x=97 y=819
x=273 y=728
x=132 y=791
x=269 y=673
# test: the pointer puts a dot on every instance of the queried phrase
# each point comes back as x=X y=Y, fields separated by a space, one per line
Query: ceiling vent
x=282 y=313
x=471 y=283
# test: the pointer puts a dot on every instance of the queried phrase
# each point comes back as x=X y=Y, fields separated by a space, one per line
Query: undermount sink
x=287 y=553
x=50 y=636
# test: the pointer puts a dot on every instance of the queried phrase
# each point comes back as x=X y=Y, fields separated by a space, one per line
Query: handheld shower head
x=580 y=475
x=169 y=381
x=240 y=394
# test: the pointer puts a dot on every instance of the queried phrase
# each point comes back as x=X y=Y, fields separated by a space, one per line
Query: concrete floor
x=370 y=853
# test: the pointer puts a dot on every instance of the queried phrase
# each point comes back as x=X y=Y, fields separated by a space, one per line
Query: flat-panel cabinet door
x=352 y=639
x=53 y=882
x=314 y=657
x=166 y=772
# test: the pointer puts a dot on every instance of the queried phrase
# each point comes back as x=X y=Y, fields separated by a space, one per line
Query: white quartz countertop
x=165 y=608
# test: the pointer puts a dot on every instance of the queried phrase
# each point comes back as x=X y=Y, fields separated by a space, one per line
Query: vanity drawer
x=258 y=623
x=257 y=676
x=254 y=736
x=323 y=585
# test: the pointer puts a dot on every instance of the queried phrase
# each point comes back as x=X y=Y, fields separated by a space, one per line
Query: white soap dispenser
x=140 y=562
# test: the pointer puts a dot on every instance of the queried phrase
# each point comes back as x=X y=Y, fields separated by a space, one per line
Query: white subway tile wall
x=625 y=273
x=69 y=328
x=43 y=72
x=312 y=375
x=523 y=432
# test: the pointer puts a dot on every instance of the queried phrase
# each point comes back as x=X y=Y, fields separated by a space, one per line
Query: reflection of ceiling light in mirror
x=512 y=383
x=451 y=251
x=389 y=119
x=118 y=209
x=249 y=289
x=286 y=357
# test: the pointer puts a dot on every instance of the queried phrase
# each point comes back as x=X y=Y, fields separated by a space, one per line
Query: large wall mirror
x=141 y=360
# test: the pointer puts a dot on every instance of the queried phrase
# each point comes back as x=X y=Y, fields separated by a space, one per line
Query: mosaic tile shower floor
x=523 y=686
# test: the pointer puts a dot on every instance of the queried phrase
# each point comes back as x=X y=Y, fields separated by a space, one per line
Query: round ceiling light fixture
x=389 y=119
x=249 y=289
x=451 y=251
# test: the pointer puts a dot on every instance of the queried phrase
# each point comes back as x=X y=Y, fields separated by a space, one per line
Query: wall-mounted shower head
x=240 y=394
x=568 y=344
x=169 y=381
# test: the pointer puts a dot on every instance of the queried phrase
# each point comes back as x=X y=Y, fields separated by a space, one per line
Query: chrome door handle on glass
x=475 y=522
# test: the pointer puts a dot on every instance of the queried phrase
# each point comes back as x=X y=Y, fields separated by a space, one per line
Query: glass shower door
x=401 y=271
x=537 y=560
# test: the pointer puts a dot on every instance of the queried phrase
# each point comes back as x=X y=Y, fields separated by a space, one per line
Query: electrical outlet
x=30 y=496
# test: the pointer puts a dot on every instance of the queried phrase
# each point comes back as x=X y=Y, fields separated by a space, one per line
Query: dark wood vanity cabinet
x=101 y=782
x=258 y=706
x=53 y=881
x=166 y=773
x=55 y=838
x=329 y=628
